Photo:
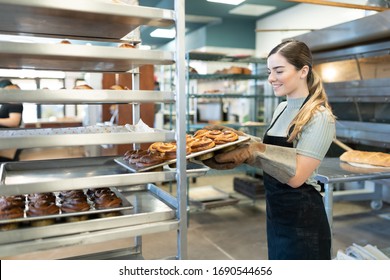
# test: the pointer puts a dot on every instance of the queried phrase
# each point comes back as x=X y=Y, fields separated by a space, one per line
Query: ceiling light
x=229 y=2
x=163 y=33
x=251 y=10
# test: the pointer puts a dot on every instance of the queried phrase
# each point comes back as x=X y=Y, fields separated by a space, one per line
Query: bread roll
x=118 y=87
x=82 y=87
x=371 y=158
x=126 y=46
x=66 y=42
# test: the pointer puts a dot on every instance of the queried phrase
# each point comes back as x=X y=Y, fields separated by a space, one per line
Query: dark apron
x=297 y=225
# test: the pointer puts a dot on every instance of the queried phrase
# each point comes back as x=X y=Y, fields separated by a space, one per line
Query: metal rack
x=258 y=75
x=154 y=209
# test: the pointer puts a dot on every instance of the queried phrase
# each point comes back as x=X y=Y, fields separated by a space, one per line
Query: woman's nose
x=271 y=77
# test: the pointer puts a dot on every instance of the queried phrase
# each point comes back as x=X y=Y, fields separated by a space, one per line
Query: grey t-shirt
x=316 y=136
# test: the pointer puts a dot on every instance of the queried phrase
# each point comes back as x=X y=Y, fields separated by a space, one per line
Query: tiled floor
x=238 y=231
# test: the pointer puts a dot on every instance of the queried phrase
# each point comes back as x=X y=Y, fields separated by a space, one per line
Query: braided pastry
x=226 y=137
x=149 y=160
x=371 y=158
x=202 y=144
x=134 y=156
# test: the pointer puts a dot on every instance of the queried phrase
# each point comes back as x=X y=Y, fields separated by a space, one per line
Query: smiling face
x=285 y=79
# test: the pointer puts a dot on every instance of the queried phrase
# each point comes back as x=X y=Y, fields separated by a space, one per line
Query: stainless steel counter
x=332 y=171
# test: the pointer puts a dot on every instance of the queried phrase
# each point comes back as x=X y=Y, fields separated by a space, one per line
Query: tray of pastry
x=80 y=205
x=171 y=162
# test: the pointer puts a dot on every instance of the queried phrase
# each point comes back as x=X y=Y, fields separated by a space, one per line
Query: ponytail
x=317 y=101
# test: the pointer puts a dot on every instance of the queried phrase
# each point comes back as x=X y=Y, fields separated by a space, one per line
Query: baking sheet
x=206 y=193
x=134 y=168
x=126 y=205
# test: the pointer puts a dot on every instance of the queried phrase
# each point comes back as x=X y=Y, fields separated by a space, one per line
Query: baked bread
x=126 y=46
x=83 y=87
x=118 y=87
x=65 y=42
x=371 y=158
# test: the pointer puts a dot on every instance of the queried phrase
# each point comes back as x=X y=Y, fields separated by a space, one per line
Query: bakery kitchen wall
x=302 y=16
x=239 y=36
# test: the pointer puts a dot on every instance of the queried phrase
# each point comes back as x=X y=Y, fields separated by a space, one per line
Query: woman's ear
x=304 y=71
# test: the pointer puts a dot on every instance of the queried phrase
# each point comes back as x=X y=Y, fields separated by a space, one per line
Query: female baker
x=293 y=147
x=10 y=117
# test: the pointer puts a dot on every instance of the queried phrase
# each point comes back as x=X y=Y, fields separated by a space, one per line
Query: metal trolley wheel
x=376 y=204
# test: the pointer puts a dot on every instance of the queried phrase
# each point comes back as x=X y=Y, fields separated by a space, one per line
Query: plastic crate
x=253 y=188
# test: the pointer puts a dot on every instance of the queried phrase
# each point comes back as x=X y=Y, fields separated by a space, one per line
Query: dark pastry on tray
x=97 y=192
x=42 y=207
x=17 y=200
x=149 y=160
x=71 y=194
x=134 y=156
x=11 y=207
x=107 y=200
x=74 y=201
x=49 y=196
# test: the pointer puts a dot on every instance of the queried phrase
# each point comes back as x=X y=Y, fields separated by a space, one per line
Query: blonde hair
x=299 y=55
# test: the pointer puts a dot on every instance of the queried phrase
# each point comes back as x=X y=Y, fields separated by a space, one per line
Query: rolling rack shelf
x=154 y=210
x=257 y=95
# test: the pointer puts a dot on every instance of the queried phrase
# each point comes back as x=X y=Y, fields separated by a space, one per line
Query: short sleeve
x=317 y=135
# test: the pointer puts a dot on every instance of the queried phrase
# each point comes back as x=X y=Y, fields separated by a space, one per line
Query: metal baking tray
x=206 y=193
x=80 y=58
x=38 y=138
x=148 y=210
x=193 y=169
x=78 y=19
x=125 y=206
x=74 y=173
x=65 y=96
x=134 y=168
